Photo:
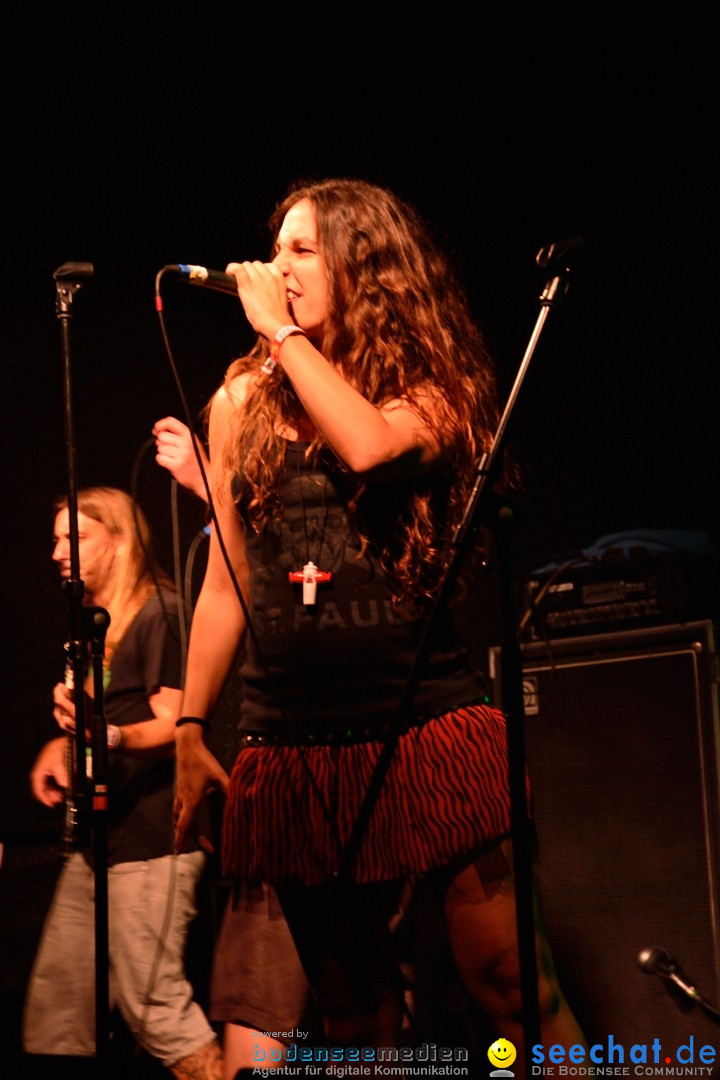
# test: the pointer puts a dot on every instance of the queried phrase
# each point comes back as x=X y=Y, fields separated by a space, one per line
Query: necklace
x=311 y=576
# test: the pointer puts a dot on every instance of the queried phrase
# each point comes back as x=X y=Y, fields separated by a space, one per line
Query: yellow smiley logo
x=502 y=1054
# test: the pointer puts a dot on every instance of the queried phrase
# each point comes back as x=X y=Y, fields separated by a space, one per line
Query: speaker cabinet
x=621 y=739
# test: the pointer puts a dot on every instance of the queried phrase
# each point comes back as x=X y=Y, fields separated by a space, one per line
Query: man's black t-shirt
x=140 y=821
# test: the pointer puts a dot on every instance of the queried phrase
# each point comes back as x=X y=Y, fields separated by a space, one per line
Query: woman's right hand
x=262 y=291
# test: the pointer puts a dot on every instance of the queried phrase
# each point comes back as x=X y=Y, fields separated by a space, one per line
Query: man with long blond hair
x=151 y=891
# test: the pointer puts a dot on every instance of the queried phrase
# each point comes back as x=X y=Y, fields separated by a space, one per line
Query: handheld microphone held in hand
x=210 y=279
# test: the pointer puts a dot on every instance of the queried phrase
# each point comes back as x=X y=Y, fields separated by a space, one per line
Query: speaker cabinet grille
x=621 y=740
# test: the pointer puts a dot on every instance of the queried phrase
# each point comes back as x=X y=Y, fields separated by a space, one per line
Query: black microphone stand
x=487 y=506
x=86 y=639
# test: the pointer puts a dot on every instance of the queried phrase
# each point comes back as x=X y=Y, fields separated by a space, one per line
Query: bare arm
x=390 y=440
x=217 y=629
x=154 y=736
x=218 y=622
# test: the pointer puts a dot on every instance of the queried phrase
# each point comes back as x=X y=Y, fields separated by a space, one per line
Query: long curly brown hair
x=399 y=327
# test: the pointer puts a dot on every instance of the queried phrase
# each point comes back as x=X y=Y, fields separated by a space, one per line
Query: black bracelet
x=193 y=720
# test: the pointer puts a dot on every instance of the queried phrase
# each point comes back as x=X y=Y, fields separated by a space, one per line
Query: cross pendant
x=309 y=576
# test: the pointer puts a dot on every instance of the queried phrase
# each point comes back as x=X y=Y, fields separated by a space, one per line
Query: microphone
x=210 y=279
x=560 y=250
x=658 y=961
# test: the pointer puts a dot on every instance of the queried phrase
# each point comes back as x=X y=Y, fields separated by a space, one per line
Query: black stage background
x=138 y=135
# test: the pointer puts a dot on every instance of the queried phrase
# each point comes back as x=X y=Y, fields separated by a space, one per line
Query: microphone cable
x=272 y=689
x=183 y=586
x=208 y=494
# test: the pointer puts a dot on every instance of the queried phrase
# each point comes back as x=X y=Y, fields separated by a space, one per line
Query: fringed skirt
x=290 y=810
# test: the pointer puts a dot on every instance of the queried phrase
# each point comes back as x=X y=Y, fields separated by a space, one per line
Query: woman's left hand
x=197 y=773
x=174 y=451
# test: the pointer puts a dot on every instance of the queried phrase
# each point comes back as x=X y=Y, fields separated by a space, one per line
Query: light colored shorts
x=151 y=904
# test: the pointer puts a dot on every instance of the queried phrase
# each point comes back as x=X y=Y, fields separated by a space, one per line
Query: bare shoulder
x=230 y=397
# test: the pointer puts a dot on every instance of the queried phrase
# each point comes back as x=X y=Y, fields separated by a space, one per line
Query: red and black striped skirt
x=290 y=810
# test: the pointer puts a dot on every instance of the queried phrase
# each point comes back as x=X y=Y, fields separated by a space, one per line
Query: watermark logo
x=502 y=1054
x=616 y=1060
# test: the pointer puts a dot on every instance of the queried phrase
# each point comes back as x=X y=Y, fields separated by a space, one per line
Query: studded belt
x=341 y=737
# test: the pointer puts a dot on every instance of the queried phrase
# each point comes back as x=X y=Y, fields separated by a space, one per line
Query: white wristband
x=114 y=737
x=284 y=332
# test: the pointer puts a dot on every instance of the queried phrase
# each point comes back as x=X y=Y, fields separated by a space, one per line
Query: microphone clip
x=561 y=252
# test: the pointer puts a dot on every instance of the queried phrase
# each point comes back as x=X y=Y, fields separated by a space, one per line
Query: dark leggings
x=349 y=953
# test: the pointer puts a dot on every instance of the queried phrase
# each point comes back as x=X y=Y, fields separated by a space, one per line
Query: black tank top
x=343 y=662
